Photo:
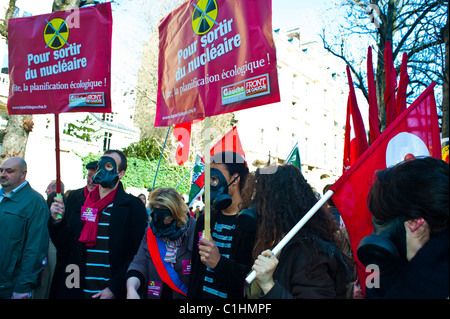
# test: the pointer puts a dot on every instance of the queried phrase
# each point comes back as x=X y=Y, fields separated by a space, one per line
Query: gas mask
x=386 y=247
x=106 y=172
x=161 y=229
x=220 y=199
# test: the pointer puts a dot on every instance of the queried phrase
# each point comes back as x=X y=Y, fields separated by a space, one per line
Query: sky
x=286 y=14
x=290 y=14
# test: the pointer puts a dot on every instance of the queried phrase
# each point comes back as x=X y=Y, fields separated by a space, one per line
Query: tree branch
x=411 y=29
x=358 y=76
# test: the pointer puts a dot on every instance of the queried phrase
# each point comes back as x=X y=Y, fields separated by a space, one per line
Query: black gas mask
x=106 y=172
x=160 y=228
x=219 y=197
x=386 y=247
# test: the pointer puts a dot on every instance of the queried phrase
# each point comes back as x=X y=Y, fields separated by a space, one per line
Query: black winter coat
x=128 y=222
x=230 y=272
x=309 y=268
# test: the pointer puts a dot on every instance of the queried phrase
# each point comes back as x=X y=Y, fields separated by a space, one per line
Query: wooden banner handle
x=207 y=230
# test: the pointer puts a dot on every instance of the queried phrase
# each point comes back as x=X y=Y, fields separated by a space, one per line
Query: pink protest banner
x=61 y=62
x=215 y=57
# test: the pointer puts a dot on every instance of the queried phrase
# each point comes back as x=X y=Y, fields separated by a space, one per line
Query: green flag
x=198 y=179
x=294 y=157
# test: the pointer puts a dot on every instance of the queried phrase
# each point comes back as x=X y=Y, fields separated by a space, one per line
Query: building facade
x=312 y=112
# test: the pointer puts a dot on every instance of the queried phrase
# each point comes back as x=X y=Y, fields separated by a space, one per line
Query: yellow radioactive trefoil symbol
x=56 y=33
x=204 y=16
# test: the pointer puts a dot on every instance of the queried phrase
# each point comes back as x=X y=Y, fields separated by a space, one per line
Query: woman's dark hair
x=416 y=188
x=283 y=198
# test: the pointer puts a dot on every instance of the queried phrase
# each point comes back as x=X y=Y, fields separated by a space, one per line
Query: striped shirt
x=98 y=271
x=222 y=235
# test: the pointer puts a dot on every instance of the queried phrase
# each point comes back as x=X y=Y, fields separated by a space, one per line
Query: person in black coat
x=409 y=203
x=124 y=220
x=219 y=265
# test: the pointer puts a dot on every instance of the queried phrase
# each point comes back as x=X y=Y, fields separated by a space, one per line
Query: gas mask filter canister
x=386 y=247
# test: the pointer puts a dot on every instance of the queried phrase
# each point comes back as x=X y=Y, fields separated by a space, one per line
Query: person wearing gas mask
x=220 y=265
x=161 y=268
x=311 y=265
x=410 y=241
x=97 y=241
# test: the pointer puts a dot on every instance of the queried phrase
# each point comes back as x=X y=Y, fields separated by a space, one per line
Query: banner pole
x=160 y=156
x=58 y=160
x=294 y=230
x=207 y=230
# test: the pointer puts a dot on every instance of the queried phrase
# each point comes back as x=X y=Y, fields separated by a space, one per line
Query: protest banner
x=61 y=62
x=215 y=57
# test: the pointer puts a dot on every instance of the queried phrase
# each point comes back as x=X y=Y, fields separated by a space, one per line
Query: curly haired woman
x=311 y=264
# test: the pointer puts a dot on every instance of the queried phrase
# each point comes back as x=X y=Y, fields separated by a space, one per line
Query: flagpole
x=207 y=230
x=294 y=230
x=185 y=176
x=160 y=156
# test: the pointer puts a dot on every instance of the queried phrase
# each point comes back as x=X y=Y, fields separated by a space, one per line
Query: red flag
x=182 y=133
x=230 y=142
x=400 y=100
x=391 y=84
x=355 y=143
x=374 y=123
x=414 y=133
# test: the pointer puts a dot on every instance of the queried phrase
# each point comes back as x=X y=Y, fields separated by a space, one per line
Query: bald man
x=24 y=237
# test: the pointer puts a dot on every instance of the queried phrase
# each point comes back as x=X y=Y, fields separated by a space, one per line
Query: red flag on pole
x=182 y=133
x=374 y=123
x=230 y=142
x=391 y=84
x=400 y=100
x=355 y=143
x=414 y=133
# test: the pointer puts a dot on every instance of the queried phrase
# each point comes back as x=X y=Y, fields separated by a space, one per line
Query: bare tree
x=15 y=136
x=412 y=26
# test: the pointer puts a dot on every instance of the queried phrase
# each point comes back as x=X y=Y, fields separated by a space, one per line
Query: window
x=107 y=117
x=107 y=141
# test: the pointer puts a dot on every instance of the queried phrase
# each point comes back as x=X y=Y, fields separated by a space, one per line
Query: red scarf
x=89 y=232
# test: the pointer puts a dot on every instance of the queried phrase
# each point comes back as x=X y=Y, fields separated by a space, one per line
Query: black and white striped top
x=222 y=235
x=98 y=270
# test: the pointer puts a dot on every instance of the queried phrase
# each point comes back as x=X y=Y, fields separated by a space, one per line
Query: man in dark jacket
x=97 y=239
x=23 y=214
